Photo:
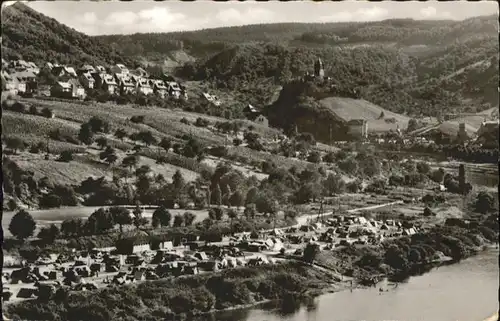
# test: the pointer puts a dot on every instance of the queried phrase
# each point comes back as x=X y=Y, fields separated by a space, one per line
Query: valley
x=190 y=174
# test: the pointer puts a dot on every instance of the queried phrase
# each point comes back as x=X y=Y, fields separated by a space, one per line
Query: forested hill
x=404 y=65
x=32 y=36
x=402 y=31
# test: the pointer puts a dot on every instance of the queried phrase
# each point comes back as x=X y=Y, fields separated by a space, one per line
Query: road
x=302 y=220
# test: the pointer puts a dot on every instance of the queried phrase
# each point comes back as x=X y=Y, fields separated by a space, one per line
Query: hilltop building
x=357 y=128
x=319 y=71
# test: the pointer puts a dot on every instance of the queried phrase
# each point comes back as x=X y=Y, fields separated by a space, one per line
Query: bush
x=201 y=122
x=185 y=121
x=47 y=113
x=66 y=156
x=137 y=119
x=18 y=107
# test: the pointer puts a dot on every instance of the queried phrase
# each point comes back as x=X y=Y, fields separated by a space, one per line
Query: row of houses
x=21 y=77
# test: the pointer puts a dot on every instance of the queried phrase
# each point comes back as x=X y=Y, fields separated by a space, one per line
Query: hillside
x=406 y=66
x=349 y=108
x=35 y=37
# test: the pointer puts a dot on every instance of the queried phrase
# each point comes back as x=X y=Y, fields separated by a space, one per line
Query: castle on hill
x=319 y=72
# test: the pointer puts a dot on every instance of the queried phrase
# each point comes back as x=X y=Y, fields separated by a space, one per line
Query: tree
x=484 y=203
x=121 y=216
x=314 y=157
x=423 y=167
x=102 y=142
x=147 y=138
x=310 y=252
x=237 y=199
x=137 y=119
x=14 y=144
x=189 y=218
x=334 y=184
x=108 y=155
x=47 y=113
x=291 y=214
x=138 y=219
x=161 y=216
x=33 y=110
x=329 y=158
x=193 y=148
x=49 y=234
x=412 y=125
x=130 y=161
x=217 y=195
x=438 y=175
x=120 y=134
x=99 y=222
x=178 y=181
x=166 y=144
x=251 y=195
x=98 y=125
x=178 y=220
x=266 y=204
x=22 y=225
x=66 y=156
x=85 y=135
x=50 y=201
x=72 y=227
x=237 y=142
x=250 y=210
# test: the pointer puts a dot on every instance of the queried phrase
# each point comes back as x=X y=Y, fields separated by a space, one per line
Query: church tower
x=318 y=69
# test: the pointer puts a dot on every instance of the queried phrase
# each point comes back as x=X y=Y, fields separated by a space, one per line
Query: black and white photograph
x=250 y=160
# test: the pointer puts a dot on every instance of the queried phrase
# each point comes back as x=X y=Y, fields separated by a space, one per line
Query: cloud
x=432 y=13
x=365 y=14
x=428 y=12
x=89 y=18
x=249 y=16
x=156 y=19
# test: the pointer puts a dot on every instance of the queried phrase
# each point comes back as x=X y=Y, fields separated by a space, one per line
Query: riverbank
x=180 y=297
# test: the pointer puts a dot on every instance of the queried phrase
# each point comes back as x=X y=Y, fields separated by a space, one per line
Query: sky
x=115 y=17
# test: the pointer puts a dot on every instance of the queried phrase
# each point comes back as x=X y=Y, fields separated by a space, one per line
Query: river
x=464 y=291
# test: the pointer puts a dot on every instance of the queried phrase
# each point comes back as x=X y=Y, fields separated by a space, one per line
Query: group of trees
x=94 y=126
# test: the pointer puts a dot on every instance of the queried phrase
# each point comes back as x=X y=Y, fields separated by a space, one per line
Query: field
x=348 y=108
x=57 y=215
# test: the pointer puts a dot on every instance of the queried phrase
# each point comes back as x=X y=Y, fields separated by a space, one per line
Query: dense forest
x=32 y=36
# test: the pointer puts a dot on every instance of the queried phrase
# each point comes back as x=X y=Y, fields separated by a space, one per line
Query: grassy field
x=348 y=108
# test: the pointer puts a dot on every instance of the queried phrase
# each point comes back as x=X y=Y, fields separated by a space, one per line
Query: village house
x=212 y=98
x=87 y=80
x=108 y=83
x=140 y=72
x=250 y=111
x=61 y=90
x=9 y=83
x=119 y=69
x=126 y=85
x=19 y=65
x=142 y=86
x=357 y=128
x=86 y=69
x=26 y=81
x=100 y=69
x=77 y=90
x=174 y=89
x=63 y=71
x=33 y=68
x=159 y=88
x=262 y=120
